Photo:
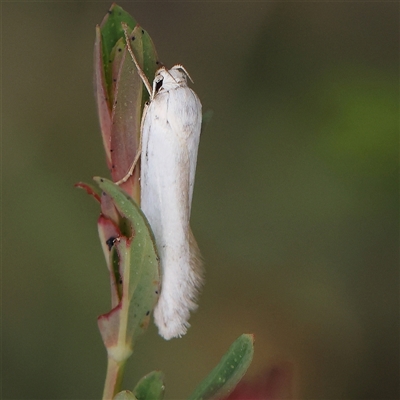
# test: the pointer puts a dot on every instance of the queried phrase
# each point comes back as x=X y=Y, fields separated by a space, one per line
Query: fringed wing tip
x=172 y=313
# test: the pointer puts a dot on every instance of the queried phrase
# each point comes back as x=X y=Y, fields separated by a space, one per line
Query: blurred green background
x=295 y=206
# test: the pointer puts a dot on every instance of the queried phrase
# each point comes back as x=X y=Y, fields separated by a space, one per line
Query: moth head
x=170 y=79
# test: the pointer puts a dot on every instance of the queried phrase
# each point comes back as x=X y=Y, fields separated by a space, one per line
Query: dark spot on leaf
x=158 y=258
x=119 y=49
x=133 y=38
x=111 y=150
x=142 y=32
x=157 y=62
x=114 y=80
x=110 y=242
x=148 y=312
x=101 y=180
x=113 y=166
x=120 y=281
x=110 y=12
x=156 y=291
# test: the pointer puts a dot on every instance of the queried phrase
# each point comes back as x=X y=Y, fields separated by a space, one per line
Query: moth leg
x=139 y=150
x=132 y=168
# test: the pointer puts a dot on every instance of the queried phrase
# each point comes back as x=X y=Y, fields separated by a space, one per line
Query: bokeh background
x=295 y=206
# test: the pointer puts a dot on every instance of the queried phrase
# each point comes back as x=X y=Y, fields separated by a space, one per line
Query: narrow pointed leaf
x=150 y=61
x=138 y=282
x=102 y=95
x=230 y=370
x=127 y=111
x=117 y=58
x=150 y=387
x=111 y=32
x=90 y=189
x=119 y=91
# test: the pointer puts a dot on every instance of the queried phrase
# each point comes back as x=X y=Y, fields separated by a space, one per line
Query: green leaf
x=150 y=61
x=102 y=95
x=227 y=374
x=139 y=277
x=111 y=32
x=150 y=387
x=127 y=95
x=125 y=395
x=119 y=91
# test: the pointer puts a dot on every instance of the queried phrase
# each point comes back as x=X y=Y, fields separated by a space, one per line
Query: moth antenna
x=184 y=70
x=139 y=69
x=167 y=71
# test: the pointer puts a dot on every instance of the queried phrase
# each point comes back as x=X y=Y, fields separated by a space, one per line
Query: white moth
x=170 y=135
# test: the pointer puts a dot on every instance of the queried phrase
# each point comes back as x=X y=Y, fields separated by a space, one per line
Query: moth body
x=170 y=138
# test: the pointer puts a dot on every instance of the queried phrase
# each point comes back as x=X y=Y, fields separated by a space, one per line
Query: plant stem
x=115 y=371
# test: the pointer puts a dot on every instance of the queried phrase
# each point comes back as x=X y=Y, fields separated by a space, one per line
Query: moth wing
x=171 y=132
